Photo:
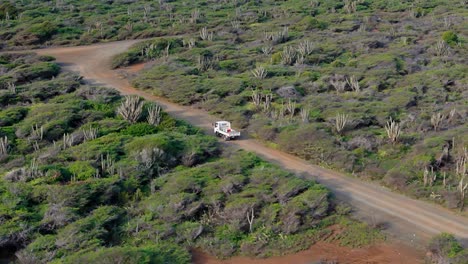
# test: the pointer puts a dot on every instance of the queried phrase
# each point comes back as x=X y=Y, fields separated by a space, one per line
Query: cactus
x=304 y=115
x=393 y=130
x=4 y=146
x=288 y=56
x=205 y=35
x=90 y=133
x=68 y=140
x=341 y=121
x=353 y=83
x=259 y=73
x=154 y=115
x=131 y=108
x=436 y=120
x=338 y=83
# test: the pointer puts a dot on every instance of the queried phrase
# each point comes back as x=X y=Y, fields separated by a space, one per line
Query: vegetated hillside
x=375 y=88
x=88 y=176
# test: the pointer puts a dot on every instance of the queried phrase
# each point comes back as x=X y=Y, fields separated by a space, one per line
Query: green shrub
x=446 y=244
x=56 y=120
x=40 y=70
x=89 y=232
x=12 y=115
x=450 y=37
x=446 y=248
x=310 y=23
x=276 y=58
x=125 y=59
x=82 y=170
x=44 y=31
x=358 y=234
x=139 y=129
x=8 y=8
x=153 y=254
x=229 y=65
x=110 y=144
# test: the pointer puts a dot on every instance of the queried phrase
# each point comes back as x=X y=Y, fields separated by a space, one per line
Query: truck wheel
x=227 y=138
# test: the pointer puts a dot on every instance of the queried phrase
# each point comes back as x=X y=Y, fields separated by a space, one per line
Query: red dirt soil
x=134 y=68
x=380 y=253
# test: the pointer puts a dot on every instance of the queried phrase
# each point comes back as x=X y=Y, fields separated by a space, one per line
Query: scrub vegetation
x=376 y=89
x=87 y=175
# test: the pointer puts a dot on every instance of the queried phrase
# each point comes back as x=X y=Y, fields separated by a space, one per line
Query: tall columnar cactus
x=305 y=115
x=4 y=146
x=154 y=115
x=338 y=83
x=130 y=109
x=341 y=121
x=353 y=83
x=393 y=130
x=461 y=171
x=260 y=72
x=90 y=133
x=436 y=120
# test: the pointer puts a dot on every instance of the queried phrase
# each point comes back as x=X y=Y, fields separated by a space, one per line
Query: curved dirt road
x=406 y=219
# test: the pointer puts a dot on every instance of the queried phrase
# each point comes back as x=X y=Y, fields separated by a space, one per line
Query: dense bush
x=450 y=37
x=444 y=248
x=7 y=9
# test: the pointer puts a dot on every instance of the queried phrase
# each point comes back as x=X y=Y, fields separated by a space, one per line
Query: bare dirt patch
x=323 y=251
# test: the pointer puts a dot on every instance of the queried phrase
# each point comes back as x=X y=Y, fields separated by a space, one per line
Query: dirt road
x=407 y=219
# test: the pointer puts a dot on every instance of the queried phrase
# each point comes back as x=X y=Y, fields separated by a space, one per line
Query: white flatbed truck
x=223 y=129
